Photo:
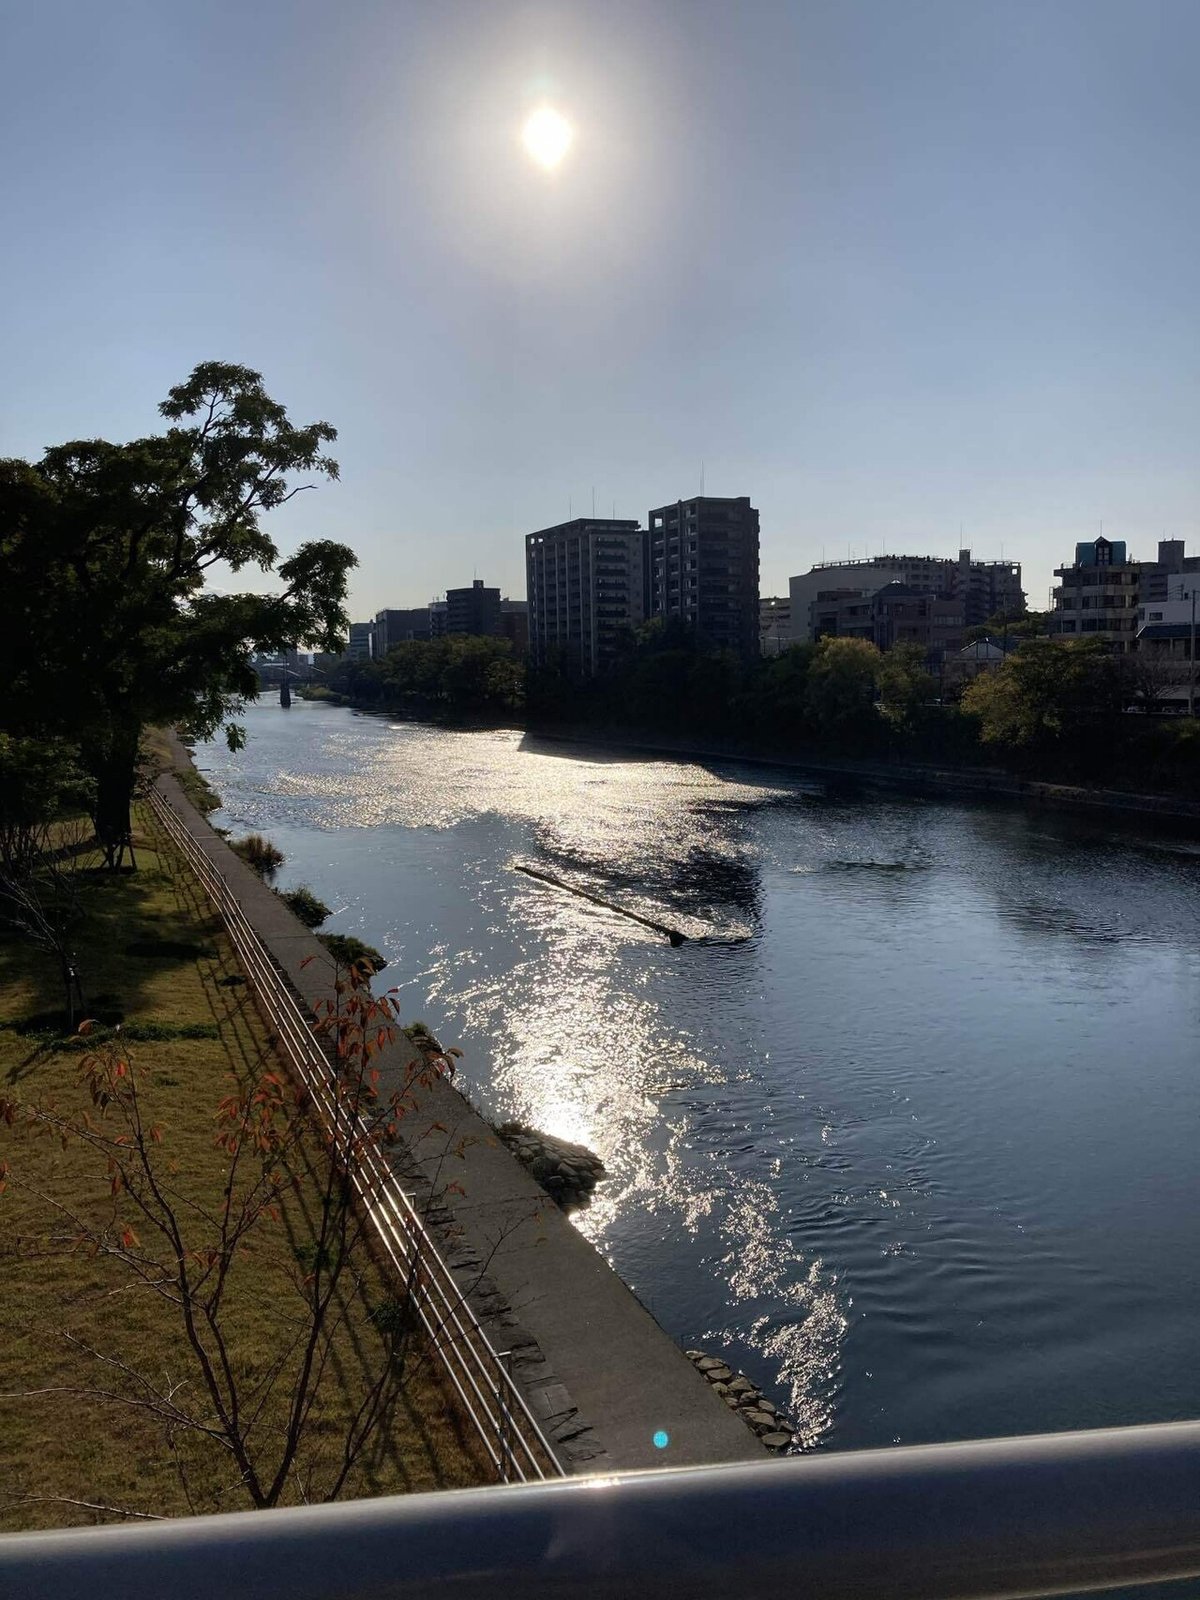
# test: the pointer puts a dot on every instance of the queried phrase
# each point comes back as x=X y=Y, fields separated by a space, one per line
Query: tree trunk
x=114 y=773
x=76 y=1006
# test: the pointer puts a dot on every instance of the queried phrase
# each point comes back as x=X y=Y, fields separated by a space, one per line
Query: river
x=907 y=1128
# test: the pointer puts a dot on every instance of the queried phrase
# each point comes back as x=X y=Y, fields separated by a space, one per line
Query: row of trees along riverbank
x=1055 y=709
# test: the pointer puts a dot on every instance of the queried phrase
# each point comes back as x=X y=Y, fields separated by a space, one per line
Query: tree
x=905 y=686
x=105 y=624
x=1048 y=693
x=1010 y=625
x=42 y=850
x=840 y=691
x=162 y=1236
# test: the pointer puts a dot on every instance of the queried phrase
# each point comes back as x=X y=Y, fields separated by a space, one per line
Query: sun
x=547 y=137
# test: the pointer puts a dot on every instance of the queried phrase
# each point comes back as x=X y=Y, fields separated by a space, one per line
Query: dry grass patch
x=156 y=961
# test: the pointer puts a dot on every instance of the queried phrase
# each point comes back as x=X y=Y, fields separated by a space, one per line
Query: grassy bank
x=155 y=962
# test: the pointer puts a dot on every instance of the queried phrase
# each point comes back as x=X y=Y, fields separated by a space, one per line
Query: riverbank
x=911 y=777
x=610 y=1388
x=958 y=783
x=155 y=964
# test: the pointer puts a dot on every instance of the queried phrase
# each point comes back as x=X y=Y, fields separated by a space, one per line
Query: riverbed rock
x=744 y=1397
x=567 y=1172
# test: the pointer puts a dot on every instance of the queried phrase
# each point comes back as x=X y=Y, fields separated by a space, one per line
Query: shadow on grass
x=131 y=939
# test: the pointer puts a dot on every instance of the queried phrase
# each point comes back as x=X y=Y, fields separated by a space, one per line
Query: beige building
x=982 y=588
x=1097 y=596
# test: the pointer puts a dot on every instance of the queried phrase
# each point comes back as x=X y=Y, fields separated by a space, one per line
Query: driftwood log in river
x=673 y=934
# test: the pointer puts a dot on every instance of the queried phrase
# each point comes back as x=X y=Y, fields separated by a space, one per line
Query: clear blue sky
x=887 y=267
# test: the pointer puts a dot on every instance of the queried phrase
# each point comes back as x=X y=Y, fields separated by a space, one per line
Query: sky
x=909 y=273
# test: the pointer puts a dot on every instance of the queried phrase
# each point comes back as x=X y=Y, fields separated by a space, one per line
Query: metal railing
x=514 y=1441
x=1056 y=1514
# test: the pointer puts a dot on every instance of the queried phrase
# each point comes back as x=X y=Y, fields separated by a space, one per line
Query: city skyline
x=911 y=278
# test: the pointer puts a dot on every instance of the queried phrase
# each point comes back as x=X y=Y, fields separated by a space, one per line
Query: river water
x=907 y=1128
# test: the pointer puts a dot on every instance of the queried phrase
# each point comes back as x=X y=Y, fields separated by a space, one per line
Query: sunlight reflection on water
x=846 y=1139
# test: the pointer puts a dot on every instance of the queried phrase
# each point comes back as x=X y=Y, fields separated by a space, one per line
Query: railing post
x=504 y=1362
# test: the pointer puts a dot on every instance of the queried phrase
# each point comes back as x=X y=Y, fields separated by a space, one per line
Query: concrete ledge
x=596 y=1369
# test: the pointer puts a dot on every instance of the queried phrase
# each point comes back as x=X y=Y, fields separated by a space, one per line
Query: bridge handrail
x=1053 y=1514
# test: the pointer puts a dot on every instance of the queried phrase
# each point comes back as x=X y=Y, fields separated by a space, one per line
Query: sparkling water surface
x=907 y=1128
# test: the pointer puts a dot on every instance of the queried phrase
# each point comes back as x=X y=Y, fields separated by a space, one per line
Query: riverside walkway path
x=608 y=1386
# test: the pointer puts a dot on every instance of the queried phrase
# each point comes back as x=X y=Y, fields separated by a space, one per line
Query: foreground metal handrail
x=515 y=1443
x=1054 y=1514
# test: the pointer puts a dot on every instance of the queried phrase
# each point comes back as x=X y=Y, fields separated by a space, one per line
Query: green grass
x=192 y=1031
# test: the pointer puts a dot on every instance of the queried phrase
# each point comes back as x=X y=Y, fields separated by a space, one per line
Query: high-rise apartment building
x=702 y=567
x=586 y=585
x=474 y=610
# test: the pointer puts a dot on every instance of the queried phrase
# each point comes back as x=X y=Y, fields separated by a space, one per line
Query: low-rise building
x=399 y=627
x=841 y=613
x=361 y=643
x=981 y=655
x=933 y=622
x=981 y=588
x=1167 y=634
x=898 y=613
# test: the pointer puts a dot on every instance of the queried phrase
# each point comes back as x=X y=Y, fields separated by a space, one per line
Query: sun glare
x=547 y=137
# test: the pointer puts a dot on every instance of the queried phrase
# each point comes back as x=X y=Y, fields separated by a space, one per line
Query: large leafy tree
x=105 y=623
x=1049 y=694
x=840 y=691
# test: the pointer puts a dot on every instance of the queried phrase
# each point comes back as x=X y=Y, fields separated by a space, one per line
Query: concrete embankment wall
x=955 y=782
x=596 y=1369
